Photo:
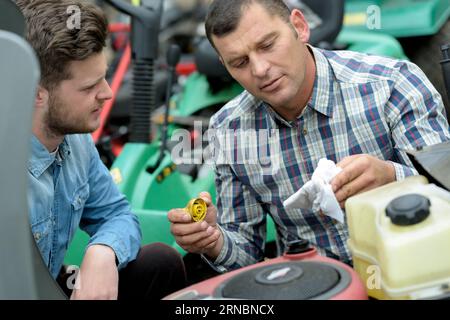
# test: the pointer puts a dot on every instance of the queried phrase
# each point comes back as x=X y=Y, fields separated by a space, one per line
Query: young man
x=69 y=185
x=360 y=111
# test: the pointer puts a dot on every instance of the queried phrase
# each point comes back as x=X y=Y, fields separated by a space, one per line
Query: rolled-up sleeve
x=107 y=215
x=416 y=116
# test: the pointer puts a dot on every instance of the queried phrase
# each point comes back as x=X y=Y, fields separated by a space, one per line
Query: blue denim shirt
x=75 y=189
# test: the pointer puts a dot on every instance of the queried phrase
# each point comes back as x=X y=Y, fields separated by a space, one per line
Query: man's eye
x=89 y=88
x=241 y=63
x=267 y=46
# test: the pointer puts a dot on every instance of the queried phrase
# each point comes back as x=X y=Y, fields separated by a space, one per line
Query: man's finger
x=351 y=188
x=208 y=242
x=179 y=216
x=349 y=173
x=206 y=196
x=347 y=160
x=183 y=229
x=364 y=189
x=202 y=245
x=192 y=239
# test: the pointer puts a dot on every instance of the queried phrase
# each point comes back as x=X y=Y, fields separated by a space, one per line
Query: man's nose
x=106 y=92
x=260 y=66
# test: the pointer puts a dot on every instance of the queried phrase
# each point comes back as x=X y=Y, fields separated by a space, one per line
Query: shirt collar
x=275 y=116
x=322 y=98
x=41 y=159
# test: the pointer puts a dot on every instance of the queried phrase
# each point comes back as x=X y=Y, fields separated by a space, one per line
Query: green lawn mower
x=421 y=27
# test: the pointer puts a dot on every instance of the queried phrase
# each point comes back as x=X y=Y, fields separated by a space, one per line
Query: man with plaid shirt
x=360 y=111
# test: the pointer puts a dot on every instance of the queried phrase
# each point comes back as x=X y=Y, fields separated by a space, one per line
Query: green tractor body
x=398 y=18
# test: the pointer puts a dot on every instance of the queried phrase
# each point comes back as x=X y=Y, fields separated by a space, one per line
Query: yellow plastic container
x=401 y=261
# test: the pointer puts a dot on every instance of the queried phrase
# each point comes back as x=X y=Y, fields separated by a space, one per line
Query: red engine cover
x=293 y=276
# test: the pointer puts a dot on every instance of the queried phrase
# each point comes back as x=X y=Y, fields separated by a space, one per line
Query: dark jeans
x=157 y=271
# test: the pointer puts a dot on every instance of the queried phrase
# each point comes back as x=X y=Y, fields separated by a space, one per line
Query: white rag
x=317 y=193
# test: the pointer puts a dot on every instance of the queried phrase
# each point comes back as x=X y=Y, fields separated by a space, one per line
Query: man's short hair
x=224 y=16
x=57 y=40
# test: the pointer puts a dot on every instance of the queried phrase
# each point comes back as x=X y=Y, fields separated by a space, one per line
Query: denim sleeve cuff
x=116 y=245
x=402 y=171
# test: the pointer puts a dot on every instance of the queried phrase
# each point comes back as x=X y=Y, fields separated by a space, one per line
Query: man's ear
x=42 y=96
x=300 y=25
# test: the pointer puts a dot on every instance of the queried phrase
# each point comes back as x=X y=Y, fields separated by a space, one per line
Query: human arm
x=98 y=277
x=415 y=116
x=242 y=221
x=107 y=215
x=233 y=234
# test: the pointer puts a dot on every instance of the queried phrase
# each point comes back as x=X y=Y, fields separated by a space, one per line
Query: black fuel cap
x=298 y=246
x=408 y=210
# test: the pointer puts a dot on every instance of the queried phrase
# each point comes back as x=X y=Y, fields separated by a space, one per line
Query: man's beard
x=57 y=123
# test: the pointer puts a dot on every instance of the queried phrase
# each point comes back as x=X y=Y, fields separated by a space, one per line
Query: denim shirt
x=74 y=189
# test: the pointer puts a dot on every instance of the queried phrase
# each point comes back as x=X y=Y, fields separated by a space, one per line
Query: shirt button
x=37 y=236
x=305 y=132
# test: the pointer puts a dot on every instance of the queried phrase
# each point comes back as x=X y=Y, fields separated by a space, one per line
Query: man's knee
x=161 y=256
x=157 y=271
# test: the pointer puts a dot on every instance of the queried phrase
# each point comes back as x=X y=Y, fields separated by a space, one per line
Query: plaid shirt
x=360 y=104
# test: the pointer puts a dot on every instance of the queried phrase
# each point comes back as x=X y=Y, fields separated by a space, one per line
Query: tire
x=426 y=53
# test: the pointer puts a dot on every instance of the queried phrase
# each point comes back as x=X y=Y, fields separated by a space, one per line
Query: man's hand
x=197 y=237
x=99 y=275
x=360 y=173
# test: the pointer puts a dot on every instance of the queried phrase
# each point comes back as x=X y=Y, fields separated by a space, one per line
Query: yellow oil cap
x=197 y=209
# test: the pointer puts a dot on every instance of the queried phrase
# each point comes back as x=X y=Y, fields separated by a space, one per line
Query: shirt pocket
x=41 y=231
x=79 y=199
